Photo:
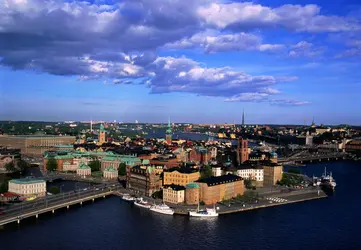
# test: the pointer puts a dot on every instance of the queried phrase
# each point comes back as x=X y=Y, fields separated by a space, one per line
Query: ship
x=141 y=203
x=128 y=198
x=327 y=182
x=162 y=209
x=208 y=212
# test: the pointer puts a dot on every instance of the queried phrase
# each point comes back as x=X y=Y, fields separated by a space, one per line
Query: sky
x=200 y=61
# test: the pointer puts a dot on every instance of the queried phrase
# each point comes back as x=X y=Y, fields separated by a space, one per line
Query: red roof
x=9 y=194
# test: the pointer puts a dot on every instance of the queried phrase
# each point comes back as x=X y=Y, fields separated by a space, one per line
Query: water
x=331 y=223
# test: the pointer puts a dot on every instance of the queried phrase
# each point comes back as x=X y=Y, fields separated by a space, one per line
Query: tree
x=206 y=172
x=10 y=166
x=54 y=190
x=52 y=164
x=94 y=165
x=4 y=187
x=22 y=165
x=122 y=169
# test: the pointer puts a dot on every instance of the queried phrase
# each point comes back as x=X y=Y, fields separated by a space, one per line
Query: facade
x=216 y=171
x=110 y=173
x=35 y=145
x=180 y=176
x=173 y=194
x=143 y=179
x=7 y=156
x=216 y=189
x=83 y=170
x=200 y=155
x=192 y=194
x=242 y=151
x=354 y=146
x=28 y=187
x=272 y=173
x=251 y=172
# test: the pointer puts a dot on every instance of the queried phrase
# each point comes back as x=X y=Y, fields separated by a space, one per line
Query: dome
x=192 y=185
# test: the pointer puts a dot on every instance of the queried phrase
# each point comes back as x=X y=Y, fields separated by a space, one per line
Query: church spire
x=243 y=118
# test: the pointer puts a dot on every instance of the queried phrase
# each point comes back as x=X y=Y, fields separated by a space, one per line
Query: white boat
x=141 y=203
x=162 y=209
x=209 y=212
x=128 y=198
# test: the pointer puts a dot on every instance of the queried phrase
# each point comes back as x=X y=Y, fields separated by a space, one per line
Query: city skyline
x=200 y=61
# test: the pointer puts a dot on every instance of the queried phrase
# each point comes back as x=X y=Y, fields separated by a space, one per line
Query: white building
x=28 y=187
x=110 y=173
x=251 y=172
x=216 y=171
x=83 y=170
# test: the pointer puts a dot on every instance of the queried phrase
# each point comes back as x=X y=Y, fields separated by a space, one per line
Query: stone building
x=110 y=173
x=272 y=173
x=254 y=172
x=8 y=155
x=242 y=151
x=216 y=189
x=173 y=194
x=199 y=155
x=192 y=194
x=180 y=176
x=35 y=145
x=28 y=187
x=143 y=179
x=83 y=170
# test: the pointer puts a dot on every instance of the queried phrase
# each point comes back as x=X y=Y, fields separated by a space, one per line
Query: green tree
x=4 y=187
x=122 y=169
x=54 y=190
x=94 y=165
x=52 y=164
x=22 y=165
x=10 y=166
x=206 y=172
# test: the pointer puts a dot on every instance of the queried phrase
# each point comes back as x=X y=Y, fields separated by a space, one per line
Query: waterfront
x=331 y=223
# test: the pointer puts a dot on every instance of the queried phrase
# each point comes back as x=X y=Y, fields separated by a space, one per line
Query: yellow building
x=180 y=176
x=272 y=172
x=173 y=194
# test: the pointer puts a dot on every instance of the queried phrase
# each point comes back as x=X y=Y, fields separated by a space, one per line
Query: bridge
x=305 y=156
x=34 y=208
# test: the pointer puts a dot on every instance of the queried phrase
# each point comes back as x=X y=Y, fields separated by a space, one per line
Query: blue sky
x=195 y=61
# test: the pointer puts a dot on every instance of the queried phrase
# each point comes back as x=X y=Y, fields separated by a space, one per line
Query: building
x=180 y=176
x=272 y=172
x=192 y=194
x=173 y=194
x=242 y=151
x=143 y=179
x=216 y=189
x=168 y=133
x=28 y=187
x=216 y=170
x=200 y=155
x=101 y=136
x=35 y=145
x=83 y=170
x=8 y=155
x=254 y=172
x=354 y=146
x=110 y=173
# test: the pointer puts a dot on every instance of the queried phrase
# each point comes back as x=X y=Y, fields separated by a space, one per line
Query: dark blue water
x=331 y=223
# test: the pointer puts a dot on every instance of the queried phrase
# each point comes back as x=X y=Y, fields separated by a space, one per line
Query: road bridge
x=308 y=157
x=34 y=208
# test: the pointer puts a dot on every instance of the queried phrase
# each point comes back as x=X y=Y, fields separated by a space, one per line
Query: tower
x=91 y=126
x=168 y=133
x=243 y=118
x=313 y=122
x=101 y=137
x=242 y=150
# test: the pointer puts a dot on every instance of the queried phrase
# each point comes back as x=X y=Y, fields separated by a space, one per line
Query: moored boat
x=128 y=198
x=162 y=209
x=141 y=203
x=208 y=212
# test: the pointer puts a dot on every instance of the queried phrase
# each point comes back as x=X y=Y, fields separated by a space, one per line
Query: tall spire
x=91 y=125
x=313 y=121
x=243 y=118
x=168 y=122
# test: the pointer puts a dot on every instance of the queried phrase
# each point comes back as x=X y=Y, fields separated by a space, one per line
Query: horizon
x=199 y=61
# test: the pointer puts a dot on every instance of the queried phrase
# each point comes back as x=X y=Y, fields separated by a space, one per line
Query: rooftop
x=175 y=187
x=183 y=170
x=26 y=181
x=192 y=185
x=213 y=181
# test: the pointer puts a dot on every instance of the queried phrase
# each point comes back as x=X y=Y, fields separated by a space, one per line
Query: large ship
x=327 y=182
x=208 y=212
x=162 y=209
x=141 y=203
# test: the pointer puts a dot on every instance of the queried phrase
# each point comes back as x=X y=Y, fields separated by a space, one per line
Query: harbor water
x=110 y=223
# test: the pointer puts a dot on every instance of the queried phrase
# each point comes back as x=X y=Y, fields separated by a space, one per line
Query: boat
x=162 y=209
x=127 y=197
x=327 y=182
x=208 y=212
x=141 y=203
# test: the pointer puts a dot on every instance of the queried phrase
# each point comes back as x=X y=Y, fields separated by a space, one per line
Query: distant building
x=35 y=145
x=143 y=179
x=252 y=172
x=28 y=187
x=110 y=173
x=83 y=170
x=7 y=156
x=168 y=133
x=354 y=146
x=200 y=155
x=101 y=136
x=173 y=194
x=180 y=176
x=192 y=194
x=216 y=189
x=242 y=151
x=272 y=173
